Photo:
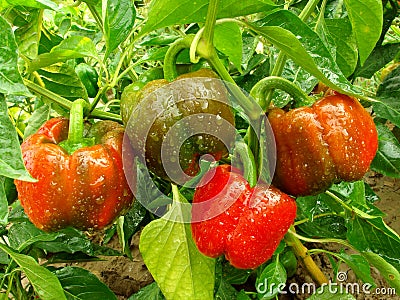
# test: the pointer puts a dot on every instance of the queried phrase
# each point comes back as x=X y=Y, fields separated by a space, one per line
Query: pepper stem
x=261 y=89
x=301 y=253
x=249 y=165
x=76 y=140
x=170 y=72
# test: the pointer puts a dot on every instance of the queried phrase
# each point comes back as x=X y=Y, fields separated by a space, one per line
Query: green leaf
x=38 y=117
x=301 y=44
x=3 y=203
x=63 y=80
x=359 y=265
x=225 y=291
x=118 y=18
x=29 y=3
x=346 y=48
x=173 y=259
x=11 y=163
x=366 y=19
x=387 y=158
x=271 y=281
x=379 y=58
x=322 y=213
x=149 y=292
x=10 y=78
x=79 y=283
x=325 y=293
x=70 y=240
x=43 y=281
x=391 y=275
x=389 y=106
x=228 y=40
x=164 y=13
x=72 y=47
x=128 y=225
x=375 y=236
x=28 y=35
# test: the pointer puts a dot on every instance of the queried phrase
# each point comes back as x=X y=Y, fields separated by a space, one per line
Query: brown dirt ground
x=125 y=276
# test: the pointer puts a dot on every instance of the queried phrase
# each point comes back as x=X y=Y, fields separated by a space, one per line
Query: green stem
x=53 y=97
x=247 y=158
x=281 y=60
x=310 y=240
x=208 y=34
x=75 y=131
x=170 y=72
x=313 y=218
x=96 y=16
x=76 y=139
x=301 y=253
x=340 y=201
x=97 y=98
x=266 y=84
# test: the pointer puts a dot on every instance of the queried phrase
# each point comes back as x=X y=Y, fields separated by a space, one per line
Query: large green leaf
x=61 y=79
x=346 y=48
x=387 y=158
x=391 y=275
x=381 y=56
x=375 y=236
x=72 y=47
x=10 y=78
x=228 y=40
x=366 y=19
x=29 y=3
x=359 y=265
x=80 y=284
x=38 y=117
x=389 y=106
x=173 y=259
x=164 y=13
x=118 y=20
x=149 y=292
x=11 y=163
x=28 y=34
x=43 y=281
x=300 y=43
x=270 y=280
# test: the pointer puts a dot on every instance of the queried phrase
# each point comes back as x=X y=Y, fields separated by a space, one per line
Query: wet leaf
x=63 y=80
x=301 y=44
x=72 y=47
x=118 y=18
x=387 y=158
x=188 y=11
x=366 y=19
x=79 y=283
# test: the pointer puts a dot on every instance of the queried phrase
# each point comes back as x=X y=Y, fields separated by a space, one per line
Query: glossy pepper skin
x=333 y=140
x=86 y=189
x=189 y=101
x=89 y=77
x=252 y=223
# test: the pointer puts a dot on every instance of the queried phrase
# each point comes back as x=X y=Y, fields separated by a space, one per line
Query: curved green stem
x=170 y=72
x=260 y=89
x=310 y=240
x=301 y=253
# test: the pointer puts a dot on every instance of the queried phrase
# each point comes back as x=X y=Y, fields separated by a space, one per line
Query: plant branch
x=301 y=253
x=208 y=34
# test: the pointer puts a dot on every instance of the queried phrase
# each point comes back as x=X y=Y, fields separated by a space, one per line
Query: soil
x=125 y=276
